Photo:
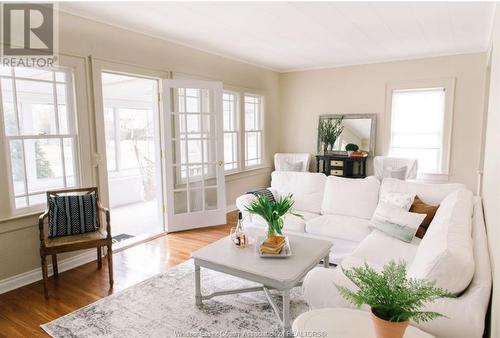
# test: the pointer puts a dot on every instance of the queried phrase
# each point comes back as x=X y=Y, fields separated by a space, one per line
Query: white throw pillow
x=396 y=222
x=292 y=166
x=445 y=254
x=398 y=199
x=350 y=197
x=307 y=188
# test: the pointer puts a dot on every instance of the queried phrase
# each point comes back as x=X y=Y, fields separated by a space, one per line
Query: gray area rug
x=163 y=306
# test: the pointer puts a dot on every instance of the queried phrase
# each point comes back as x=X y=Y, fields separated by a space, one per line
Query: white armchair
x=291 y=161
x=395 y=167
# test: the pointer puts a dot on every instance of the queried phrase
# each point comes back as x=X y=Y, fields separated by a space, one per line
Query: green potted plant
x=329 y=130
x=272 y=212
x=350 y=148
x=393 y=298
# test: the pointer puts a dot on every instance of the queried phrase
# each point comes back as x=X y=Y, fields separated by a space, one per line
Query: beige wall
x=491 y=180
x=362 y=90
x=81 y=37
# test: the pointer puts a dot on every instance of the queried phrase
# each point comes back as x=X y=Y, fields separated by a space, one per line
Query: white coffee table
x=342 y=323
x=281 y=274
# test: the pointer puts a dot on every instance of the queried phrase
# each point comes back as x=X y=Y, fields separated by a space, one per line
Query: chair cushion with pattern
x=72 y=215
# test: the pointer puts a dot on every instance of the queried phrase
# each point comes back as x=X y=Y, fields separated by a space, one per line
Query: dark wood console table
x=341 y=165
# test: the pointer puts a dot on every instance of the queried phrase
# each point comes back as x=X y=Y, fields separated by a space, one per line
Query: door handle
x=220 y=163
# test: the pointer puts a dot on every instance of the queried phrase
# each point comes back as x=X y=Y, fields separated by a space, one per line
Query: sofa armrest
x=244 y=201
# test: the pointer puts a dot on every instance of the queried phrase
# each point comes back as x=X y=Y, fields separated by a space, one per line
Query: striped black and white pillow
x=263 y=192
x=72 y=215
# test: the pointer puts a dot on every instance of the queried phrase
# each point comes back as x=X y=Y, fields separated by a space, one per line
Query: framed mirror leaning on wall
x=336 y=131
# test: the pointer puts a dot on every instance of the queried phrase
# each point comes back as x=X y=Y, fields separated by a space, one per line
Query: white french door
x=195 y=190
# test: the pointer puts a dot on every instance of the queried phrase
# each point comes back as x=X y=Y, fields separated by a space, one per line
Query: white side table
x=343 y=323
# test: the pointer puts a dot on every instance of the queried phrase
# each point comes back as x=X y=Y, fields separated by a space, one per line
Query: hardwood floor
x=24 y=309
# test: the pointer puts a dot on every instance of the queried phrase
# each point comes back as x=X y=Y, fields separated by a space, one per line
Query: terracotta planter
x=387 y=329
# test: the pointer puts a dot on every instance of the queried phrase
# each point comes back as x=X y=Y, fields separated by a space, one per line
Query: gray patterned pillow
x=72 y=215
x=292 y=166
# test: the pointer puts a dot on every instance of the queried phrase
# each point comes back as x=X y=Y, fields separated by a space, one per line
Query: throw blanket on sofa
x=263 y=192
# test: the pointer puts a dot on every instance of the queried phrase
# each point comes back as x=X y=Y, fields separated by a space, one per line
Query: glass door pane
x=131 y=119
x=194 y=125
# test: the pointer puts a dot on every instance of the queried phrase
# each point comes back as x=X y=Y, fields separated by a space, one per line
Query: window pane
x=20 y=202
x=250 y=117
x=10 y=119
x=230 y=131
x=69 y=161
x=35 y=102
x=33 y=73
x=230 y=153
x=43 y=164
x=417 y=127
x=7 y=71
x=62 y=111
x=17 y=166
x=194 y=151
x=211 y=199
x=37 y=199
x=253 y=111
x=253 y=148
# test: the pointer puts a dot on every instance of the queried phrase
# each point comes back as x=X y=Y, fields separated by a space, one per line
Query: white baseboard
x=35 y=275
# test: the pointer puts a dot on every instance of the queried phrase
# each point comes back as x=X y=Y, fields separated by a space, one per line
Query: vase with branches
x=329 y=130
x=394 y=299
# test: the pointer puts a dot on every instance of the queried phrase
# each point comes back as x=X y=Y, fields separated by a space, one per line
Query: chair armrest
x=41 y=220
x=100 y=207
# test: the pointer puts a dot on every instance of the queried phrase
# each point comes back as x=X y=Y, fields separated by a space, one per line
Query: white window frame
x=237 y=117
x=78 y=120
x=448 y=85
x=260 y=130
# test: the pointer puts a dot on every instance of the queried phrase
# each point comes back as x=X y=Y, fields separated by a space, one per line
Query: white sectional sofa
x=453 y=252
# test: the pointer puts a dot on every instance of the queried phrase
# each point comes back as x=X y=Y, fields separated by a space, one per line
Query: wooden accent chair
x=97 y=239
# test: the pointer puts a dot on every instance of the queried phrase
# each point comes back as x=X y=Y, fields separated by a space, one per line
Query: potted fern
x=272 y=212
x=393 y=298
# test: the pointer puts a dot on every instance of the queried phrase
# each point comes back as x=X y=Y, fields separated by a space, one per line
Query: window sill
x=235 y=175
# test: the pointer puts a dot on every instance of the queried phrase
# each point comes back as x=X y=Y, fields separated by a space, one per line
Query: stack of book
x=273 y=245
x=359 y=154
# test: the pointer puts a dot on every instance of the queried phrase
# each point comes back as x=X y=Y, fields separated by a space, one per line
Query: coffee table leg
x=286 y=313
x=326 y=261
x=197 y=285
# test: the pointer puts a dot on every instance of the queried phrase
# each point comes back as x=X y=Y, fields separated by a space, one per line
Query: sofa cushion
x=370 y=249
x=350 y=197
x=307 y=188
x=431 y=193
x=338 y=226
x=291 y=222
x=445 y=254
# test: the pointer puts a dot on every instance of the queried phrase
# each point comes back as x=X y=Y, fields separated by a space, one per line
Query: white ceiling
x=287 y=36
